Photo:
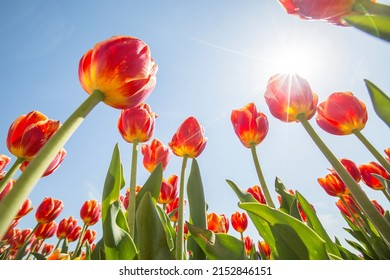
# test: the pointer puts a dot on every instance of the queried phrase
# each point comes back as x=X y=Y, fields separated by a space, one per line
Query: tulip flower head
x=28 y=133
x=250 y=125
x=122 y=68
x=90 y=212
x=137 y=123
x=168 y=190
x=387 y=152
x=325 y=10
x=333 y=185
x=370 y=168
x=239 y=221
x=24 y=209
x=89 y=236
x=248 y=242
x=289 y=95
x=189 y=139
x=379 y=207
x=217 y=223
x=352 y=169
x=65 y=227
x=341 y=114
x=48 y=210
x=350 y=203
x=45 y=230
x=4 y=160
x=56 y=162
x=257 y=193
x=265 y=249
x=154 y=154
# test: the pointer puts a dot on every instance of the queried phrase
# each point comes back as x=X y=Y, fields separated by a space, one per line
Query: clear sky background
x=213 y=56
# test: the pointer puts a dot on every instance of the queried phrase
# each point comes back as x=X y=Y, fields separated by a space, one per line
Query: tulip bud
x=90 y=212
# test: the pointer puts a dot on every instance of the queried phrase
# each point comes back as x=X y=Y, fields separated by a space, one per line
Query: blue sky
x=213 y=56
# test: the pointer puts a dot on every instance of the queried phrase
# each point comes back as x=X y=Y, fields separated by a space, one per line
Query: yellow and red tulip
x=90 y=212
x=65 y=227
x=155 y=153
x=341 y=114
x=370 y=168
x=250 y=126
x=264 y=247
x=239 y=221
x=24 y=209
x=168 y=190
x=56 y=162
x=45 y=230
x=89 y=236
x=248 y=243
x=257 y=193
x=333 y=185
x=28 y=133
x=189 y=139
x=137 y=123
x=48 y=210
x=122 y=68
x=217 y=223
x=289 y=95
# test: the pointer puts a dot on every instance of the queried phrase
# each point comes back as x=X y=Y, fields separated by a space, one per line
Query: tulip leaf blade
x=152 y=185
x=217 y=246
x=376 y=25
x=295 y=240
x=287 y=198
x=197 y=205
x=150 y=234
x=380 y=101
x=317 y=226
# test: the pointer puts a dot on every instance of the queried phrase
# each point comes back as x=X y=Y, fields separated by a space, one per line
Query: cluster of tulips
x=147 y=222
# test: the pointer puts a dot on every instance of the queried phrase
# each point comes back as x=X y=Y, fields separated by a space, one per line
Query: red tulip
x=56 y=162
x=333 y=185
x=122 y=68
x=250 y=125
x=248 y=243
x=341 y=114
x=387 y=152
x=45 y=230
x=168 y=190
x=217 y=223
x=154 y=154
x=90 y=212
x=239 y=221
x=288 y=96
x=189 y=139
x=48 y=210
x=47 y=249
x=257 y=193
x=329 y=11
x=352 y=169
x=89 y=236
x=137 y=123
x=352 y=206
x=264 y=247
x=172 y=209
x=28 y=133
x=7 y=188
x=367 y=170
x=4 y=160
x=24 y=209
x=379 y=207
x=74 y=234
x=65 y=227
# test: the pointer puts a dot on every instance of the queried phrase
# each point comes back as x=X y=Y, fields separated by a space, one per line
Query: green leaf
x=170 y=232
x=114 y=182
x=287 y=198
x=218 y=246
x=118 y=244
x=378 y=26
x=295 y=240
x=38 y=256
x=152 y=185
x=380 y=100
x=197 y=205
x=262 y=226
x=151 y=240
x=316 y=225
x=98 y=253
x=385 y=182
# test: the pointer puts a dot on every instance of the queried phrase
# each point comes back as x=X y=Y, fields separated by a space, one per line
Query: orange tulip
x=257 y=193
x=122 y=68
x=90 y=212
x=288 y=96
x=189 y=139
x=352 y=169
x=45 y=230
x=264 y=247
x=352 y=206
x=28 y=133
x=217 y=223
x=341 y=114
x=48 y=210
x=239 y=221
x=137 y=123
x=172 y=209
x=57 y=255
x=56 y=162
x=373 y=168
x=333 y=185
x=250 y=125
x=248 y=243
x=155 y=153
x=329 y=11
x=168 y=190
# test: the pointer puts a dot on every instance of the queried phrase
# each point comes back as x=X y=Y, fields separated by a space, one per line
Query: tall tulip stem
x=180 y=226
x=9 y=206
x=10 y=173
x=372 y=150
x=132 y=192
x=360 y=196
x=261 y=177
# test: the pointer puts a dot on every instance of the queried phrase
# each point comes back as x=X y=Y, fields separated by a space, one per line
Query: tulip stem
x=386 y=194
x=358 y=194
x=9 y=206
x=261 y=177
x=10 y=173
x=22 y=249
x=372 y=150
x=132 y=192
x=77 y=250
x=370 y=7
x=180 y=226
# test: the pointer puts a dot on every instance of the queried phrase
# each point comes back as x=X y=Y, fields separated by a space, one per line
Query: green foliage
x=380 y=100
x=152 y=185
x=376 y=25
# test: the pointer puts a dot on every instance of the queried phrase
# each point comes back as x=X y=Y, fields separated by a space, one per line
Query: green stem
x=386 y=194
x=369 y=7
x=9 y=206
x=180 y=226
x=77 y=250
x=132 y=192
x=10 y=173
x=58 y=244
x=261 y=177
x=372 y=150
x=22 y=249
x=354 y=218
x=358 y=194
